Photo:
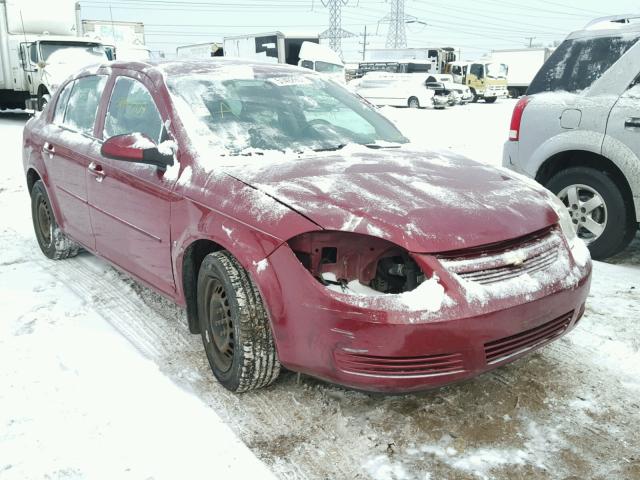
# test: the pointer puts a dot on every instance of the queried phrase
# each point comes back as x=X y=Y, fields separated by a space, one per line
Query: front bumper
x=330 y=336
x=498 y=92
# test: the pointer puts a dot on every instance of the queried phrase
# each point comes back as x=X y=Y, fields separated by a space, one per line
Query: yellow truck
x=487 y=80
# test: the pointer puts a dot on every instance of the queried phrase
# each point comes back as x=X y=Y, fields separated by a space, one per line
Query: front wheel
x=51 y=239
x=600 y=213
x=490 y=99
x=413 y=102
x=235 y=325
x=43 y=100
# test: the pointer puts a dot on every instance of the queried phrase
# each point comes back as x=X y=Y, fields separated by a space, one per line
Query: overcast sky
x=473 y=26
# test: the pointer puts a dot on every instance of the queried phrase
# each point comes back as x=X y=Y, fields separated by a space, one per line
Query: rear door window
x=577 y=63
x=83 y=103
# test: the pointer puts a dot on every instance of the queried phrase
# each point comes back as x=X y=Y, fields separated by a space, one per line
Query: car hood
x=424 y=201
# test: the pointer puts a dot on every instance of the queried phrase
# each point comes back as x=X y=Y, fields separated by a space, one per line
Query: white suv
x=578 y=131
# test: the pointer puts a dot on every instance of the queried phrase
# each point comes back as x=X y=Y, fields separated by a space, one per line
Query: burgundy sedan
x=298 y=227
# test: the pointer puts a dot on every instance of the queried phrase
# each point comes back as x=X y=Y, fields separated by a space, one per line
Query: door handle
x=96 y=171
x=632 y=122
x=49 y=148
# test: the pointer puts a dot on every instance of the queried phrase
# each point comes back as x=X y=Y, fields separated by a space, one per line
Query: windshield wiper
x=375 y=146
x=330 y=149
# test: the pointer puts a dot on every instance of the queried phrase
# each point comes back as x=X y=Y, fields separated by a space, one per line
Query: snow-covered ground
x=99 y=377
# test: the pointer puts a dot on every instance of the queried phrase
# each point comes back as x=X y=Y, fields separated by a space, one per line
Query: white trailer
x=200 y=50
x=272 y=47
x=126 y=38
x=39 y=47
x=523 y=64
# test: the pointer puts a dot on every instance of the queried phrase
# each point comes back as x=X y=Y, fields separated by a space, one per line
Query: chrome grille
x=527 y=256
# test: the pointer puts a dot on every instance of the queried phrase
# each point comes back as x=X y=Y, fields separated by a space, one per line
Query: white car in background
x=461 y=93
x=394 y=89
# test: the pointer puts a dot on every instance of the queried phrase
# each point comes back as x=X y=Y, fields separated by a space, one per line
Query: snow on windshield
x=53 y=53
x=236 y=108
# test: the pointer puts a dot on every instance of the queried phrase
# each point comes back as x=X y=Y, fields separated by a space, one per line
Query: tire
x=51 y=239
x=615 y=216
x=234 y=325
x=413 y=102
x=490 y=99
x=43 y=100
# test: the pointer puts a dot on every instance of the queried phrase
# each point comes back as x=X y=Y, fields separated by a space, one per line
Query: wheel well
x=192 y=260
x=32 y=178
x=42 y=90
x=580 y=158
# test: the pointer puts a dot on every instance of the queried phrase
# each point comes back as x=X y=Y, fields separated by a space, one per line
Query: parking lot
x=571 y=410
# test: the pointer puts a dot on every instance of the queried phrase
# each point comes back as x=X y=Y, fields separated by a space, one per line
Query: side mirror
x=136 y=148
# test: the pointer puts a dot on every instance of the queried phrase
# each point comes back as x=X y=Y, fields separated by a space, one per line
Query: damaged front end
x=351 y=262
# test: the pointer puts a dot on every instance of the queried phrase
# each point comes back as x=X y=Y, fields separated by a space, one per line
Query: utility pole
x=364 y=44
x=335 y=33
x=531 y=39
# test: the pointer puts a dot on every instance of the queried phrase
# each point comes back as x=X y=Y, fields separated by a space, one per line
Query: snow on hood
x=425 y=201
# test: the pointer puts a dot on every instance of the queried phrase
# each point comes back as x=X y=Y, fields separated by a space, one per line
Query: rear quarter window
x=577 y=63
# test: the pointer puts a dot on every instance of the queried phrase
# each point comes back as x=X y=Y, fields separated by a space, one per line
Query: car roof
x=610 y=26
x=157 y=71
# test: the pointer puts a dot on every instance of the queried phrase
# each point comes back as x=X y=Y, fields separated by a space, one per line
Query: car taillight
x=516 y=118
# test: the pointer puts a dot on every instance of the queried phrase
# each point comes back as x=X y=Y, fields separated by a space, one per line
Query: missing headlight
x=339 y=258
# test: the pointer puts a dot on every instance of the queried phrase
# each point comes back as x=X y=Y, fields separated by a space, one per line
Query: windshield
x=72 y=52
x=496 y=70
x=240 y=108
x=325 y=67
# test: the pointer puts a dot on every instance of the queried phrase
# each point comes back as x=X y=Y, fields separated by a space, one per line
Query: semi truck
x=39 y=48
x=522 y=64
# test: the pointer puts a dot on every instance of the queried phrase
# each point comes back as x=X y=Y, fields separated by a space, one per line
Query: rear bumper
x=320 y=334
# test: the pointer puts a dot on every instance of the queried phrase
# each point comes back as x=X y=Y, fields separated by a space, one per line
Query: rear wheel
x=51 y=239
x=413 y=102
x=490 y=99
x=235 y=325
x=601 y=214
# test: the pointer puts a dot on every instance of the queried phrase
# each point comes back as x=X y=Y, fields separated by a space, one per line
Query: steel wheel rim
x=588 y=211
x=45 y=225
x=219 y=331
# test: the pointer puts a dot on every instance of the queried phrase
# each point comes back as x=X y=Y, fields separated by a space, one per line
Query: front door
x=129 y=202
x=65 y=152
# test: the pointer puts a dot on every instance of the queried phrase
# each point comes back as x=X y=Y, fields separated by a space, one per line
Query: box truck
x=39 y=48
x=522 y=64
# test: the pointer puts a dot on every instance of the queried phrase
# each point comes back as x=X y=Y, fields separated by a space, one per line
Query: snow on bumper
x=381 y=344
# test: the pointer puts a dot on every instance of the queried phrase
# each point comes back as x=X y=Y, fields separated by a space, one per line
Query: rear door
x=623 y=126
x=66 y=153
x=130 y=202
